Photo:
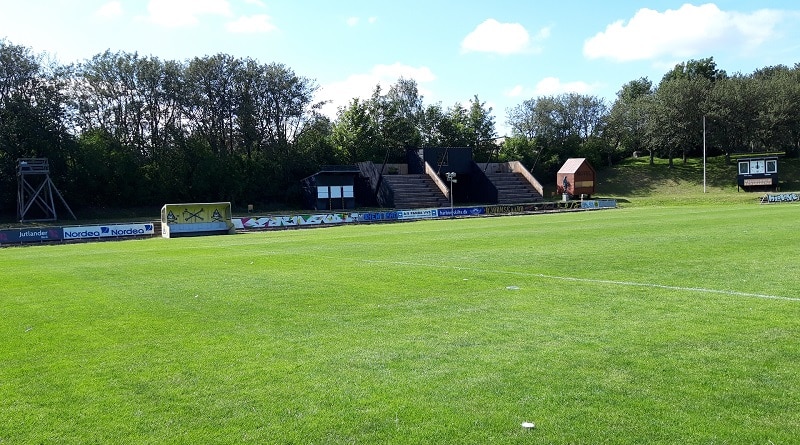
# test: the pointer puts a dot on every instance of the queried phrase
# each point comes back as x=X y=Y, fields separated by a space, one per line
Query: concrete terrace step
x=513 y=188
x=415 y=191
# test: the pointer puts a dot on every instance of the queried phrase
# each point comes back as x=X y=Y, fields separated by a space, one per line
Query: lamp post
x=451 y=178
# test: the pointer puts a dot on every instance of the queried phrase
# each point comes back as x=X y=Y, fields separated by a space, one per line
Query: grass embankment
x=638 y=325
x=637 y=183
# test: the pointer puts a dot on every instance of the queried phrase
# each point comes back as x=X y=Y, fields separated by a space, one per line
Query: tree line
x=125 y=130
x=740 y=113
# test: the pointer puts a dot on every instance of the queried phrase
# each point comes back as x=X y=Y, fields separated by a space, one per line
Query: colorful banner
x=274 y=222
x=287 y=221
x=781 y=197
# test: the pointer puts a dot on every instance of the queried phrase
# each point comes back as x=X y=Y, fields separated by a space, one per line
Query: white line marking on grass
x=593 y=280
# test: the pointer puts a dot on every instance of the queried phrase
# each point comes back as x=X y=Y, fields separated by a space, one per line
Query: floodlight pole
x=451 y=178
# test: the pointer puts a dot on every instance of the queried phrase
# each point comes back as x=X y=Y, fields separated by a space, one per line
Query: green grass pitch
x=637 y=325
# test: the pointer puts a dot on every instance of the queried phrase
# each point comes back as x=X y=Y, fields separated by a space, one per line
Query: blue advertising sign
x=115 y=230
x=462 y=211
x=31 y=235
x=379 y=216
x=599 y=204
x=417 y=214
x=607 y=203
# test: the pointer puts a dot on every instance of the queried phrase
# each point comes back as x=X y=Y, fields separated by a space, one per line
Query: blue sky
x=504 y=51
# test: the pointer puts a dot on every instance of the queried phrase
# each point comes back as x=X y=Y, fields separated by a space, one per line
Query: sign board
x=30 y=235
x=757 y=181
x=108 y=231
x=757 y=172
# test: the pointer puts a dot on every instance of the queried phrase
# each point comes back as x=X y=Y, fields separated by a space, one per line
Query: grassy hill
x=636 y=182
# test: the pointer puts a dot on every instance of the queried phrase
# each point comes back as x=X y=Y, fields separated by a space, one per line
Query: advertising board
x=108 y=231
x=30 y=235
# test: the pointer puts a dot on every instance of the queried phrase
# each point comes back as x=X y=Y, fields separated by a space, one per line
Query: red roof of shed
x=572 y=165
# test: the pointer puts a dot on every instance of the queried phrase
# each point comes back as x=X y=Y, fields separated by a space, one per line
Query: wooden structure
x=576 y=177
x=34 y=187
x=758 y=173
x=332 y=188
x=421 y=182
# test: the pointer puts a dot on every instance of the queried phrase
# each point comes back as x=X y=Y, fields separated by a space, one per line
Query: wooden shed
x=576 y=177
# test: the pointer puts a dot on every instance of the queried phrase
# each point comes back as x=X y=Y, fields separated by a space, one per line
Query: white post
x=451 y=178
x=704 y=153
x=451 y=199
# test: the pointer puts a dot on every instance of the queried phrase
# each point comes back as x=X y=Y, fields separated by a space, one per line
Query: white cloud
x=492 y=36
x=180 y=13
x=253 y=24
x=258 y=3
x=550 y=86
x=109 y=11
x=395 y=71
x=517 y=91
x=554 y=85
x=354 y=21
x=681 y=33
x=362 y=85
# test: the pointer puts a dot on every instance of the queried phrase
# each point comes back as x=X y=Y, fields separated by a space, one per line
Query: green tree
x=432 y=126
x=107 y=173
x=627 y=118
x=696 y=69
x=481 y=129
x=273 y=106
x=559 y=127
x=779 y=116
x=539 y=123
x=209 y=91
x=33 y=116
x=354 y=136
x=732 y=118
x=675 y=122
x=395 y=116
x=456 y=129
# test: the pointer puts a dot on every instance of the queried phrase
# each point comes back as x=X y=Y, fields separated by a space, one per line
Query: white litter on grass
x=528 y=425
x=512 y=287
